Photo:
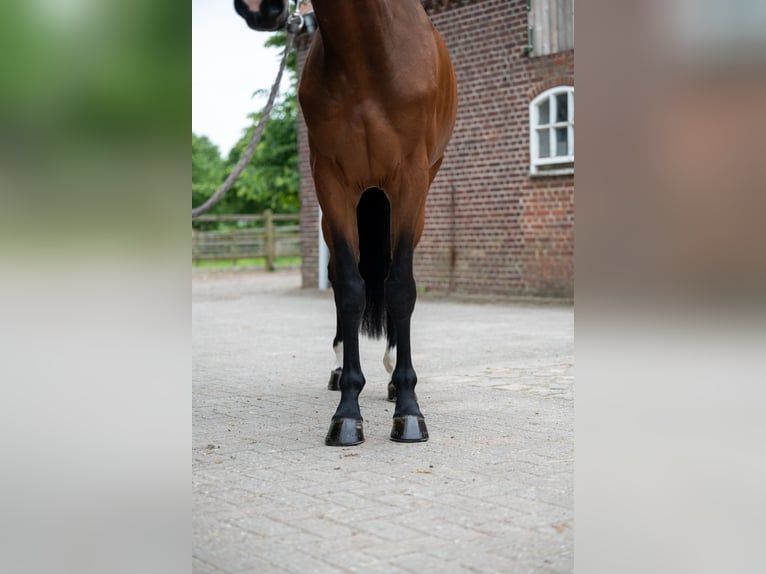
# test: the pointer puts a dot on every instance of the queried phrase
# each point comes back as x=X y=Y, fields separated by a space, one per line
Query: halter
x=295 y=21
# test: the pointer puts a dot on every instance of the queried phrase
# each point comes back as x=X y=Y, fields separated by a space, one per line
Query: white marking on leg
x=389 y=359
x=338 y=355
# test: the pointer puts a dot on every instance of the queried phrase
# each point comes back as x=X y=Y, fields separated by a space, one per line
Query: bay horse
x=379 y=98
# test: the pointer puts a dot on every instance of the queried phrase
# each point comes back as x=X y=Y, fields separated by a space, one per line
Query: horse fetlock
x=404 y=378
x=406 y=400
x=352 y=383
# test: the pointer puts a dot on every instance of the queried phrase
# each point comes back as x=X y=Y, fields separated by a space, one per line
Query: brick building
x=500 y=213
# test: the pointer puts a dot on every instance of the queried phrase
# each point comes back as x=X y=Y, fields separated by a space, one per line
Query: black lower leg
x=390 y=344
x=346 y=428
x=400 y=302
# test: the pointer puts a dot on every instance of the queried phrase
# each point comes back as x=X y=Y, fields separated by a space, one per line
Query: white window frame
x=536 y=162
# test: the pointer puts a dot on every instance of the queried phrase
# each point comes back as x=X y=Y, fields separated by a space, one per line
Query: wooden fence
x=246 y=236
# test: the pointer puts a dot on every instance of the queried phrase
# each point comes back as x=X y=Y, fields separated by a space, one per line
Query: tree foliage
x=207 y=168
x=270 y=180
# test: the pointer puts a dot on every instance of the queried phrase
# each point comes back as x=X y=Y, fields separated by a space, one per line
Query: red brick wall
x=490 y=227
x=309 y=205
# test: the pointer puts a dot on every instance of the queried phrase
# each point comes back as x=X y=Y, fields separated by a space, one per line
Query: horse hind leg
x=337 y=343
x=389 y=362
x=389 y=357
x=337 y=346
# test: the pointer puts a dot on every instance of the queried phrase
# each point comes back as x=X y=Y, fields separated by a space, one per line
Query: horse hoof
x=409 y=428
x=345 y=432
x=334 y=382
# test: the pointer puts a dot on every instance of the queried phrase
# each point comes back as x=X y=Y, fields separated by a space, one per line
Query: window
x=551 y=26
x=551 y=138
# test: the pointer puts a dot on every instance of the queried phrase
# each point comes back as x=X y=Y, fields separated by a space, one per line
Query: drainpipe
x=452 y=240
x=324 y=256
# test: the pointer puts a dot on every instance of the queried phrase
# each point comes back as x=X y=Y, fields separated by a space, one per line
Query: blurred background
x=94 y=320
x=670 y=285
x=92 y=99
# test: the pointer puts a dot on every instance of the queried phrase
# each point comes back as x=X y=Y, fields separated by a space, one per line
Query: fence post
x=234 y=249
x=195 y=246
x=270 y=241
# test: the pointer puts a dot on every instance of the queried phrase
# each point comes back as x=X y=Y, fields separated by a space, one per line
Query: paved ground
x=492 y=490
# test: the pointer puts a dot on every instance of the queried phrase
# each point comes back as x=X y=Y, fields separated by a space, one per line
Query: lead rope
x=294 y=24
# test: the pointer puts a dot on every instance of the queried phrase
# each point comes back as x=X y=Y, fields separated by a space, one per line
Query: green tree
x=270 y=180
x=208 y=170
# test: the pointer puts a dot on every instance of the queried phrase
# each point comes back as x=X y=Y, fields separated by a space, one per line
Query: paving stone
x=491 y=491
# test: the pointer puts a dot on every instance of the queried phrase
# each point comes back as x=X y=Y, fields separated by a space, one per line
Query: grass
x=252 y=262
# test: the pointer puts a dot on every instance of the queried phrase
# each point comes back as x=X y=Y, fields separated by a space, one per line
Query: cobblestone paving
x=491 y=491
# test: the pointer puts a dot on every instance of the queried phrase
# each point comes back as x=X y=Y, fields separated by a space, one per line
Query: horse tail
x=373 y=216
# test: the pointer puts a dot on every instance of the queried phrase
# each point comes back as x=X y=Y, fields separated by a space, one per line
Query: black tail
x=373 y=216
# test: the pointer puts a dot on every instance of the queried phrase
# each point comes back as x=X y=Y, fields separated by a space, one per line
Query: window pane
x=543 y=112
x=561 y=107
x=544 y=143
x=561 y=141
